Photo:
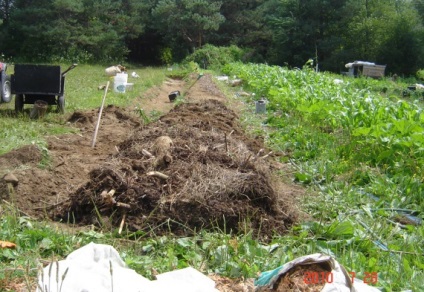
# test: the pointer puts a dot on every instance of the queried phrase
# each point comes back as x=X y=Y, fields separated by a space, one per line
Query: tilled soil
x=192 y=169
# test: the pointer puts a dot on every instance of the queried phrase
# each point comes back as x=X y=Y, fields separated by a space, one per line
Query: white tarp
x=99 y=268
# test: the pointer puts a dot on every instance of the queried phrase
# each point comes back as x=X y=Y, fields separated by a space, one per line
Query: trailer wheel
x=19 y=103
x=6 y=89
x=61 y=104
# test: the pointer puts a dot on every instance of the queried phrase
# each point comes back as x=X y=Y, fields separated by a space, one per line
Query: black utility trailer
x=39 y=82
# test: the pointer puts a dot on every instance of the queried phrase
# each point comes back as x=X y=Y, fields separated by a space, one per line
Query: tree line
x=282 y=32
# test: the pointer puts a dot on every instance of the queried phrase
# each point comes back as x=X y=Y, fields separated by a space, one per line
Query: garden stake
x=100 y=116
x=198 y=77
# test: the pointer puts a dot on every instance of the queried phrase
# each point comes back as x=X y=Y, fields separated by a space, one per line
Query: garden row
x=358 y=146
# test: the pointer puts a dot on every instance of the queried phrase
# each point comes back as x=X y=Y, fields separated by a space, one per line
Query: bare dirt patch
x=206 y=173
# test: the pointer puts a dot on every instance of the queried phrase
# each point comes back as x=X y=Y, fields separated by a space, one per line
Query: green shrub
x=420 y=74
x=212 y=57
x=166 y=56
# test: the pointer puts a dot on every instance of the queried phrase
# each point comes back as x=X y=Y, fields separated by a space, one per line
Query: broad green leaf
x=184 y=242
x=147 y=248
x=361 y=131
x=302 y=177
x=341 y=229
x=8 y=254
x=385 y=155
x=46 y=243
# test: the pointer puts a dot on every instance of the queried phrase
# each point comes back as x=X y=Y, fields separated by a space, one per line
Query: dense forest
x=151 y=32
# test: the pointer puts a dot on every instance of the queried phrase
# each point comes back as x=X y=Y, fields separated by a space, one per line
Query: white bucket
x=120 y=82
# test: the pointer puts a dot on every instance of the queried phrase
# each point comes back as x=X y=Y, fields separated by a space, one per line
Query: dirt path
x=156 y=99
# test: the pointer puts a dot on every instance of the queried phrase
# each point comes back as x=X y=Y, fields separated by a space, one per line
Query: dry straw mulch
x=192 y=169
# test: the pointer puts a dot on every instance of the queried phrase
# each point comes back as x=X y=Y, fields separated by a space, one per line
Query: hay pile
x=192 y=169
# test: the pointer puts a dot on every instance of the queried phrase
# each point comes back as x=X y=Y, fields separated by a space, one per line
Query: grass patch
x=83 y=82
x=81 y=93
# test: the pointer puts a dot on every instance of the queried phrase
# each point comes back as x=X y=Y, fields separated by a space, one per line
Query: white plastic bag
x=335 y=280
x=98 y=268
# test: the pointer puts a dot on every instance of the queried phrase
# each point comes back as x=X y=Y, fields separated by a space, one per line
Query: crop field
x=357 y=146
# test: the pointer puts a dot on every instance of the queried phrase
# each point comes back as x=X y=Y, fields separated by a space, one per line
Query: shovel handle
x=69 y=69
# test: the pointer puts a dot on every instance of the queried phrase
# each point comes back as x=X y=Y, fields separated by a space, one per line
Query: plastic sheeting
x=99 y=268
x=341 y=280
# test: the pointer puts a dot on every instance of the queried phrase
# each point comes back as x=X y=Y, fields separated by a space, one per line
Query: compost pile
x=192 y=169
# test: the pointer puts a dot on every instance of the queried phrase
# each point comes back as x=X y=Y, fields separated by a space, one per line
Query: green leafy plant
x=166 y=56
x=420 y=74
x=212 y=57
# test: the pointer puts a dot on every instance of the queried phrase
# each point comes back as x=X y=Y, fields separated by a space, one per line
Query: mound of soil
x=192 y=169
